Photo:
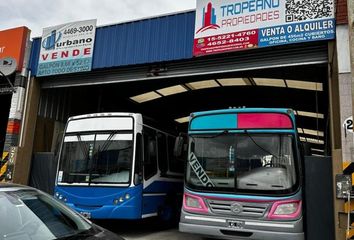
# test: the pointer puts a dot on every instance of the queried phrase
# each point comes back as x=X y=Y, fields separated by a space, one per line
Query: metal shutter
x=263 y=58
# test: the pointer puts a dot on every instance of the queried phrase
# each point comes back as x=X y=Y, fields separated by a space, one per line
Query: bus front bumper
x=108 y=212
x=211 y=226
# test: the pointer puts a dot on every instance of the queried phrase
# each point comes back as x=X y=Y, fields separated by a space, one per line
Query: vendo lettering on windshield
x=199 y=171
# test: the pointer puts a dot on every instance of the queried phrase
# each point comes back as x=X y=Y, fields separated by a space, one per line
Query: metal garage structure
x=160 y=57
x=147 y=66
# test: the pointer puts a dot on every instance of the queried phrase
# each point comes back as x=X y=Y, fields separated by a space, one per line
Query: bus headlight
x=285 y=210
x=60 y=197
x=121 y=199
x=194 y=203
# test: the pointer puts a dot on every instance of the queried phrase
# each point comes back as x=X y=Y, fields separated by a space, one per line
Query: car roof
x=12 y=186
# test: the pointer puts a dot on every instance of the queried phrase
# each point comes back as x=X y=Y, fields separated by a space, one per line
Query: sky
x=39 y=14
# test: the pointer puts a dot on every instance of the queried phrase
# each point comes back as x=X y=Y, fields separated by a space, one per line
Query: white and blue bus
x=243 y=178
x=113 y=166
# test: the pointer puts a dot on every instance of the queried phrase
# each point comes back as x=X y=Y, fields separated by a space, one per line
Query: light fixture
x=182 y=119
x=310 y=132
x=269 y=82
x=305 y=85
x=313 y=132
x=299 y=130
x=314 y=141
x=317 y=150
x=203 y=84
x=317 y=155
x=309 y=114
x=226 y=82
x=145 y=97
x=171 y=90
x=311 y=140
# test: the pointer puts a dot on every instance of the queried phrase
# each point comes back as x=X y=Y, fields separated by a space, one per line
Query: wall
x=342 y=12
x=24 y=154
x=345 y=88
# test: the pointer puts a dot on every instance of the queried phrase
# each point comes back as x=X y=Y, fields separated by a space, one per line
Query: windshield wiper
x=82 y=146
x=213 y=136
x=260 y=147
x=108 y=142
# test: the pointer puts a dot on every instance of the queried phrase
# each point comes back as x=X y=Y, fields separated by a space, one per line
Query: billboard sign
x=13 y=45
x=67 y=48
x=232 y=25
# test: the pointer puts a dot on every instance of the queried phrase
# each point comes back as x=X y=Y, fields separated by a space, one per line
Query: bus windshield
x=104 y=158
x=242 y=163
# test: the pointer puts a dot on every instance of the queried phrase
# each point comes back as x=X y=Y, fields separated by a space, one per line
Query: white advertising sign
x=67 y=48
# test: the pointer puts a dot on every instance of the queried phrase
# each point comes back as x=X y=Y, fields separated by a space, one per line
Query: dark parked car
x=27 y=213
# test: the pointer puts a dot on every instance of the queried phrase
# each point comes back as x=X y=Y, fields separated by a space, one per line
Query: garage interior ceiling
x=169 y=102
x=168 y=91
x=231 y=82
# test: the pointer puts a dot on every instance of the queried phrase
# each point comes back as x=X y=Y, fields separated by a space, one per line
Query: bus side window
x=150 y=154
x=138 y=174
x=162 y=153
x=176 y=165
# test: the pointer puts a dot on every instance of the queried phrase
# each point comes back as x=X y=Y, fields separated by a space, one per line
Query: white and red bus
x=242 y=177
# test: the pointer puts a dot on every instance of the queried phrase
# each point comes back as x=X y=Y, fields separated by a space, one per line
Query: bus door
x=151 y=193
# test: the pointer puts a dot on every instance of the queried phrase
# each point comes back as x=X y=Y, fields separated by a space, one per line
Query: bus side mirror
x=137 y=179
x=178 y=148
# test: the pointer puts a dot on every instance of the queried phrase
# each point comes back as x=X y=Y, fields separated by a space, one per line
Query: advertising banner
x=13 y=44
x=232 y=25
x=67 y=48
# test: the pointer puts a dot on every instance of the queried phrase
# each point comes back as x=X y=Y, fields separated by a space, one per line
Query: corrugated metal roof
x=154 y=40
x=147 y=41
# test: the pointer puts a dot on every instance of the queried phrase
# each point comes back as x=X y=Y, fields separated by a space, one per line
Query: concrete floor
x=147 y=230
x=170 y=234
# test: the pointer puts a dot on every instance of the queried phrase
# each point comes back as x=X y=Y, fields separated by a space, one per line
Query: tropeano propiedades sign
x=231 y=25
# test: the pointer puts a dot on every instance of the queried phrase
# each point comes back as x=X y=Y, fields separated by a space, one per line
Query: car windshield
x=29 y=214
x=260 y=163
x=96 y=158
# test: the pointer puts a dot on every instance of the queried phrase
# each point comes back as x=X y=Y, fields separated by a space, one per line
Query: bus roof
x=243 y=118
x=107 y=114
x=245 y=110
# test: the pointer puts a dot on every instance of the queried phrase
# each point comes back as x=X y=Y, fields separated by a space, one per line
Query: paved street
x=147 y=230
